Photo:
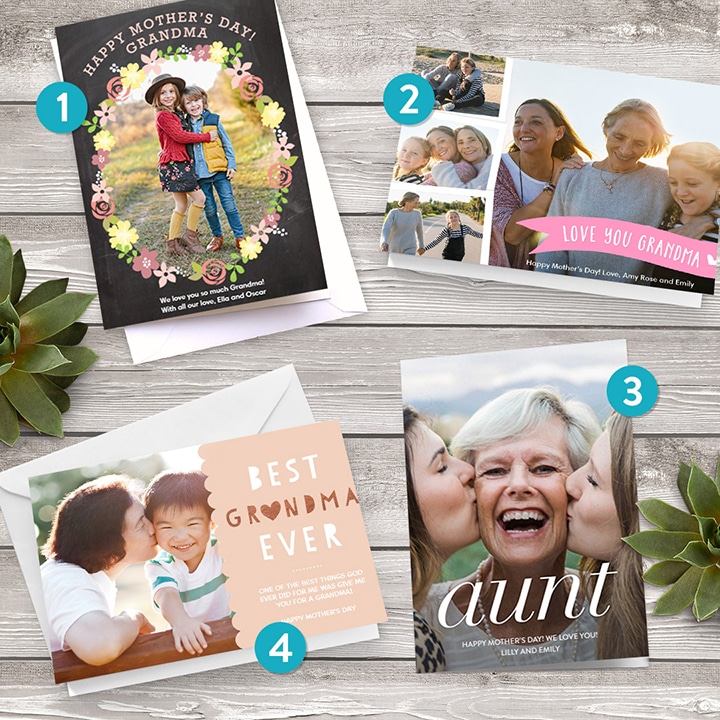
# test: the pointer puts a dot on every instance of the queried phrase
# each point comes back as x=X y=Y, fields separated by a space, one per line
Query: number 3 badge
x=632 y=391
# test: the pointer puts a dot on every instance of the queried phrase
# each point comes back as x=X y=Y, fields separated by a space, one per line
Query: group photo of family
x=521 y=486
x=127 y=552
x=433 y=223
x=590 y=143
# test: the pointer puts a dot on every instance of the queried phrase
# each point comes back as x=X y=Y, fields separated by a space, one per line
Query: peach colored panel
x=291 y=533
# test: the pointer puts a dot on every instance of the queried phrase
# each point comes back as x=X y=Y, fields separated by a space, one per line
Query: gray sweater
x=400 y=230
x=640 y=197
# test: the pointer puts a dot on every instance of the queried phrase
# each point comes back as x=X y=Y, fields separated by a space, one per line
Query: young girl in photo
x=444 y=152
x=454 y=235
x=469 y=91
x=694 y=178
x=175 y=167
x=413 y=156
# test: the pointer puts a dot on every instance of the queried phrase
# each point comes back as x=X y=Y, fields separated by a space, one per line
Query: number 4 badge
x=280 y=647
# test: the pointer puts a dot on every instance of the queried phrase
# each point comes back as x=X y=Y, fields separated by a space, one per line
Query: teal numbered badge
x=61 y=107
x=408 y=99
x=632 y=391
x=280 y=647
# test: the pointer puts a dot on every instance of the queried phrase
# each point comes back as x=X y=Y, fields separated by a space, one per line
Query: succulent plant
x=39 y=352
x=687 y=544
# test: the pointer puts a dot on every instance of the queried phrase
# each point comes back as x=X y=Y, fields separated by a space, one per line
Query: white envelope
x=166 y=338
x=269 y=402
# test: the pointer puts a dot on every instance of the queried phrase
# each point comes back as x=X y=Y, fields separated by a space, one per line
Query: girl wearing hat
x=174 y=164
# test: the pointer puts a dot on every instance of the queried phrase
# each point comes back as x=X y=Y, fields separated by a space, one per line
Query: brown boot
x=215 y=244
x=190 y=239
x=238 y=240
x=174 y=247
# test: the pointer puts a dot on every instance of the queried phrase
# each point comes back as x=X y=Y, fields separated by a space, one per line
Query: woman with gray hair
x=619 y=187
x=521 y=605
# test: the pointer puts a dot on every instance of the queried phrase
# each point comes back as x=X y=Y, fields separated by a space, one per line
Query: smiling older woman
x=619 y=187
x=523 y=445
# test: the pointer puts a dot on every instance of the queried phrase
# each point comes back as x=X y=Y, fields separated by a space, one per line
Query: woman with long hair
x=601 y=511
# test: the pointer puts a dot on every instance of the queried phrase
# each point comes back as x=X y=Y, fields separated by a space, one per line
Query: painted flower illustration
x=251 y=87
x=218 y=53
x=250 y=249
x=100 y=159
x=102 y=208
x=272 y=115
x=165 y=274
x=282 y=147
x=201 y=52
x=101 y=191
x=106 y=113
x=146 y=262
x=272 y=219
x=260 y=232
x=104 y=140
x=238 y=71
x=123 y=236
x=132 y=76
x=117 y=90
x=213 y=271
x=279 y=176
x=153 y=63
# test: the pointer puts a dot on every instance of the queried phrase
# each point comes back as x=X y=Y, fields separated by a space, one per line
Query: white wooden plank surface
x=345 y=53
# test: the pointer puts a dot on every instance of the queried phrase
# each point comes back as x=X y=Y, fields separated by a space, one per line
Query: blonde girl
x=413 y=156
x=454 y=234
x=177 y=174
x=694 y=178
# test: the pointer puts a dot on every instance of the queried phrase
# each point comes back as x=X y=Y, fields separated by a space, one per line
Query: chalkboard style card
x=192 y=169
x=560 y=177
x=180 y=559
x=521 y=488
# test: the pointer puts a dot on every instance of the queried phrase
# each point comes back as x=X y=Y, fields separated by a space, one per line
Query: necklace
x=497 y=641
x=609 y=185
x=519 y=163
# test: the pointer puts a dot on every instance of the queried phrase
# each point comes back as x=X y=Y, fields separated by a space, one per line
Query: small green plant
x=687 y=544
x=39 y=348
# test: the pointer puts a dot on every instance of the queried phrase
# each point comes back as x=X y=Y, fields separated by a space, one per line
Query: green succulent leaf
x=53 y=316
x=11 y=342
x=697 y=554
x=717 y=473
x=18 y=277
x=64 y=381
x=41 y=294
x=8 y=314
x=39 y=358
x=680 y=595
x=6 y=267
x=682 y=483
x=5 y=366
x=71 y=335
x=707 y=597
x=9 y=426
x=26 y=396
x=704 y=494
x=667 y=516
x=660 y=543
x=665 y=572
x=60 y=399
x=80 y=357
x=708 y=528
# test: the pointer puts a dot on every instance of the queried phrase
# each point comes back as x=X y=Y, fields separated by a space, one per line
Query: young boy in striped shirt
x=186 y=578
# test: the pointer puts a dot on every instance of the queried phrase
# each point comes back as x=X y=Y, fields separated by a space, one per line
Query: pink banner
x=615 y=237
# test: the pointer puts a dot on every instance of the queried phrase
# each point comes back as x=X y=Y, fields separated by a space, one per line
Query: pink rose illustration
x=280 y=176
x=116 y=90
x=251 y=86
x=102 y=207
x=213 y=271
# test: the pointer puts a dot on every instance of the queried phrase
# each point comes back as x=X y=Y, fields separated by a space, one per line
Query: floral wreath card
x=249 y=531
x=576 y=178
x=256 y=242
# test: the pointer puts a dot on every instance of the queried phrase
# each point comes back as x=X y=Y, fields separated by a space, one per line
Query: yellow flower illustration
x=104 y=140
x=218 y=52
x=250 y=249
x=272 y=115
x=132 y=76
x=122 y=236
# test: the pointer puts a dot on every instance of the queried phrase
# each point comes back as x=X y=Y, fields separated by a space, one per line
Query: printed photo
x=447 y=151
x=628 y=161
x=434 y=222
x=463 y=82
x=521 y=486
